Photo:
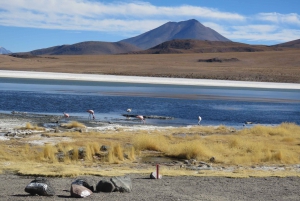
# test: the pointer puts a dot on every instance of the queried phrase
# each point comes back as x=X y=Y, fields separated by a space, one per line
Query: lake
x=230 y=106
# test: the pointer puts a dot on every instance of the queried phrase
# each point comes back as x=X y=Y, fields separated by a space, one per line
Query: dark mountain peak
x=190 y=29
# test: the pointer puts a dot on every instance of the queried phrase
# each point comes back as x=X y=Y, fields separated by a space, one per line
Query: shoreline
x=146 y=80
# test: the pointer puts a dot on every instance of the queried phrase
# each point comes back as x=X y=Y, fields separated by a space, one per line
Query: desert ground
x=268 y=183
x=268 y=66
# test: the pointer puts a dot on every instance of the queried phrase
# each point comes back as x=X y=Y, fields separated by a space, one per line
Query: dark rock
x=105 y=186
x=212 y=159
x=40 y=186
x=81 y=153
x=122 y=184
x=104 y=148
x=78 y=191
x=216 y=59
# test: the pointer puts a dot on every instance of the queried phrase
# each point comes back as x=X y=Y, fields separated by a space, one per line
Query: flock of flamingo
x=140 y=117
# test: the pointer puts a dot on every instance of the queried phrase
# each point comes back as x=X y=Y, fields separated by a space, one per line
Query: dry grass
x=259 y=145
x=29 y=126
x=73 y=124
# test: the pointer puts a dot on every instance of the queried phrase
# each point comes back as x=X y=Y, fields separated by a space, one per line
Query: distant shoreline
x=146 y=80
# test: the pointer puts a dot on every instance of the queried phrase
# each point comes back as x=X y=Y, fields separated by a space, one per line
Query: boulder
x=83 y=182
x=40 y=186
x=122 y=184
x=78 y=191
x=105 y=186
x=153 y=175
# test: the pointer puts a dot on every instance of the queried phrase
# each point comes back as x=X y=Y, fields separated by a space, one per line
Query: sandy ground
x=167 y=188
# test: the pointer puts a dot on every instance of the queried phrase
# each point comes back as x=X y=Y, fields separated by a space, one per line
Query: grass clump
x=29 y=126
x=73 y=124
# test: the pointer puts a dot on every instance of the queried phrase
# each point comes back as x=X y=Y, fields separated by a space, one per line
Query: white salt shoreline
x=146 y=80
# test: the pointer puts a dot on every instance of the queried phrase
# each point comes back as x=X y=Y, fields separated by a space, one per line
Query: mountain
x=4 y=51
x=200 y=46
x=190 y=29
x=87 y=48
x=290 y=44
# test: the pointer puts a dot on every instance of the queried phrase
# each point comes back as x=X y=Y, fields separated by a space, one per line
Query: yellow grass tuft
x=73 y=124
x=49 y=153
x=29 y=126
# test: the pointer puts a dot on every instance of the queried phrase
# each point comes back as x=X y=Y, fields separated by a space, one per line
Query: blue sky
x=27 y=25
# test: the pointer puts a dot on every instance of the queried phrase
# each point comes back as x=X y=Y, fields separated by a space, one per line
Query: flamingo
x=66 y=115
x=199 y=120
x=141 y=118
x=91 y=114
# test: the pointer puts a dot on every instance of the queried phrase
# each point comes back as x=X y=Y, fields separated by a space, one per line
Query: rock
x=122 y=184
x=193 y=161
x=81 y=153
x=56 y=130
x=104 y=148
x=83 y=182
x=78 y=191
x=216 y=59
x=153 y=175
x=40 y=186
x=105 y=186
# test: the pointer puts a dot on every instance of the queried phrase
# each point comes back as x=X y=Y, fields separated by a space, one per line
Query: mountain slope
x=88 y=48
x=191 y=29
x=199 y=46
x=290 y=44
x=4 y=51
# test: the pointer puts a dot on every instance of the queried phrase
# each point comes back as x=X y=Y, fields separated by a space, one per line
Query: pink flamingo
x=91 y=114
x=66 y=115
x=141 y=118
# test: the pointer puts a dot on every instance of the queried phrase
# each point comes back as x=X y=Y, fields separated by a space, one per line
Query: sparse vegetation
x=73 y=124
x=259 y=145
x=29 y=126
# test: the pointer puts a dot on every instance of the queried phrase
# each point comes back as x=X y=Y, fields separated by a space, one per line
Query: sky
x=27 y=25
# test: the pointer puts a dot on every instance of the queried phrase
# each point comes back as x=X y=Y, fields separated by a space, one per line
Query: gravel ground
x=167 y=188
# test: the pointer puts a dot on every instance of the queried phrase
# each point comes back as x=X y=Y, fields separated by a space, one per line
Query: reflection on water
x=216 y=105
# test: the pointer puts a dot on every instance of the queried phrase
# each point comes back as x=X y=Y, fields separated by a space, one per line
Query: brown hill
x=290 y=44
x=88 y=48
x=200 y=46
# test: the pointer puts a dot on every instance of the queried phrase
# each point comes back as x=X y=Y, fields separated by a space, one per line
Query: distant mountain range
x=88 y=48
x=4 y=51
x=173 y=37
x=190 y=29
